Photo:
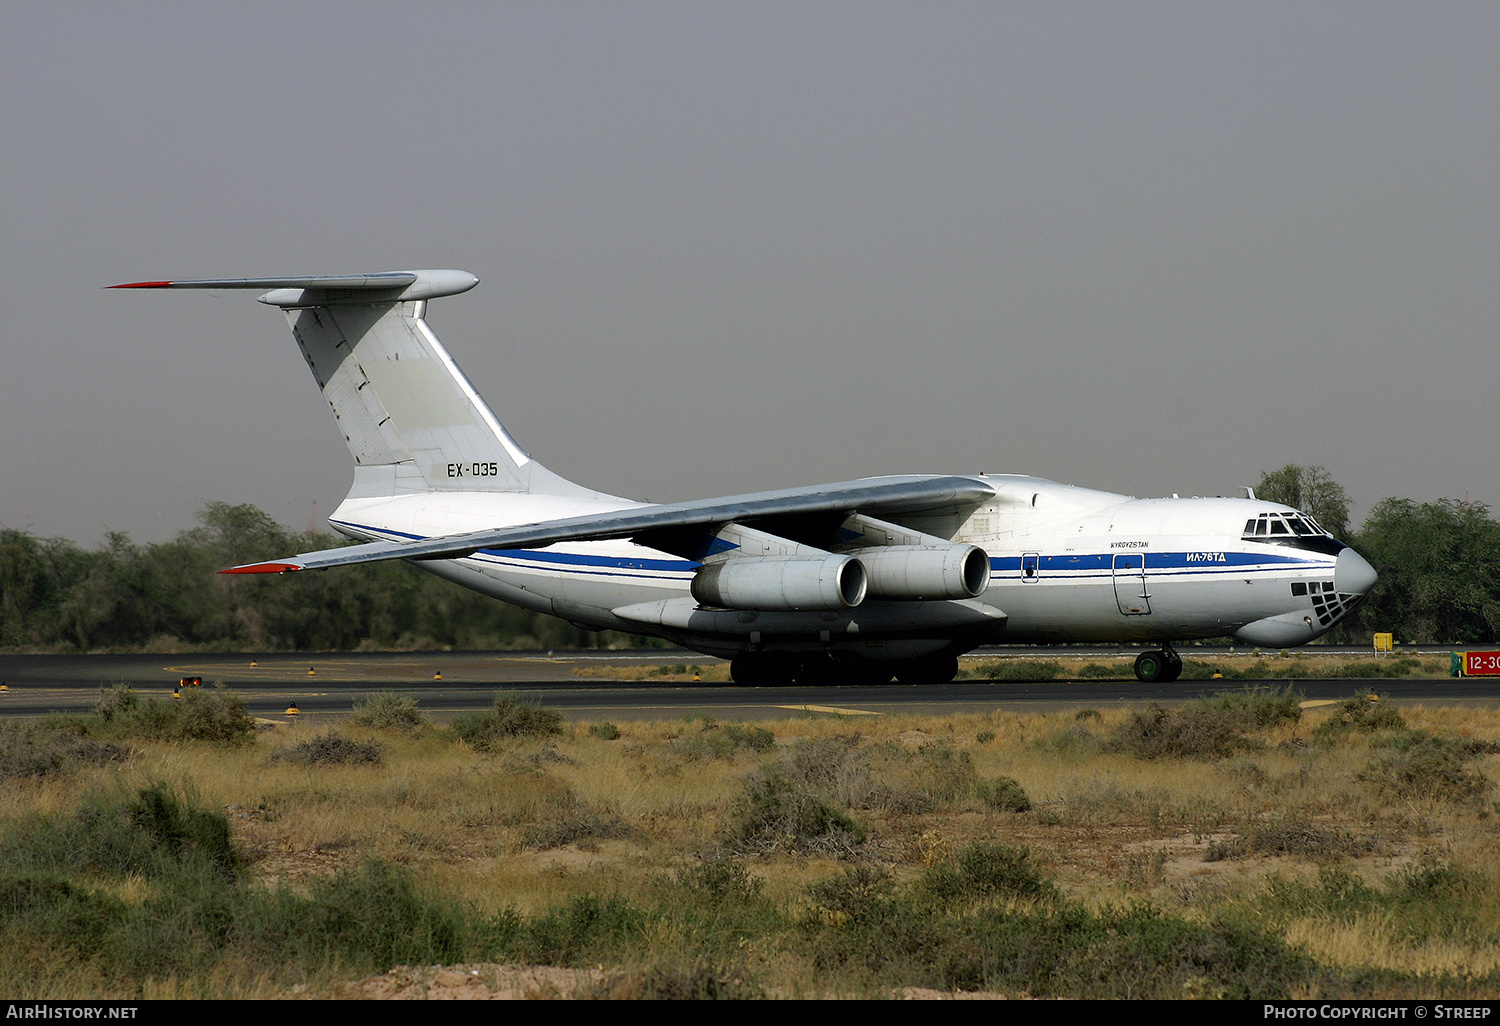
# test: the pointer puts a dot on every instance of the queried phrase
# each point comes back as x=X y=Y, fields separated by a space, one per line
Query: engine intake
x=782 y=583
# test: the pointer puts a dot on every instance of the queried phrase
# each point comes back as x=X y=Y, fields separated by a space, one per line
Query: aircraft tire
x=865 y=671
x=819 y=670
x=938 y=669
x=1173 y=668
x=762 y=670
x=843 y=669
x=1150 y=667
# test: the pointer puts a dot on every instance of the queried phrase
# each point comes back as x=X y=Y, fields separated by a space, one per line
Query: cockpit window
x=1302 y=527
x=1282 y=525
x=1294 y=529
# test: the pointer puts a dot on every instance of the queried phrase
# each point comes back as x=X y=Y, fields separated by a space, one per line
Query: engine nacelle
x=926 y=571
x=782 y=582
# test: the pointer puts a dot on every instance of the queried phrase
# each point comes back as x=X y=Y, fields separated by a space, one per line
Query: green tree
x=33 y=576
x=240 y=534
x=1439 y=566
x=1312 y=490
x=121 y=595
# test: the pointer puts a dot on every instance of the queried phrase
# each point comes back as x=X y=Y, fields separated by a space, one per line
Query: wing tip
x=264 y=568
x=143 y=285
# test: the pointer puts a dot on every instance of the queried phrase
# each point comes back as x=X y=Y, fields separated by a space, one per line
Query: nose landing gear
x=1159 y=667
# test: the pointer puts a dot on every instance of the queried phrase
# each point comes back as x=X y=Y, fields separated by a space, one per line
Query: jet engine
x=926 y=571
x=782 y=583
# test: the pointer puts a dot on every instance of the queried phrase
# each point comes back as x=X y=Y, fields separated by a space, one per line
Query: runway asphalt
x=325 y=687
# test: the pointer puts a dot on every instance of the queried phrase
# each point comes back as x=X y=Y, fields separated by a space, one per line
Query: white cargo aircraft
x=860 y=581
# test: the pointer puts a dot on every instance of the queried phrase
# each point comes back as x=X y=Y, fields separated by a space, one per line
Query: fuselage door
x=1130 y=583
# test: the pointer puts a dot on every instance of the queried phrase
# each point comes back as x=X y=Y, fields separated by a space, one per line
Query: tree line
x=55 y=595
x=1439 y=565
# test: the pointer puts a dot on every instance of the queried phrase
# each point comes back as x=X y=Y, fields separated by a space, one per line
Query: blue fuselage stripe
x=1155 y=560
x=1070 y=567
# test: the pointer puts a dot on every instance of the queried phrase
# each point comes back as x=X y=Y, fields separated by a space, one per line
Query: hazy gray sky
x=1144 y=247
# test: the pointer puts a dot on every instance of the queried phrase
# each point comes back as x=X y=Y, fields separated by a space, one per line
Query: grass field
x=1242 y=846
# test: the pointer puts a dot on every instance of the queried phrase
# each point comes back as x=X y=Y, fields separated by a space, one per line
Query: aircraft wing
x=873 y=496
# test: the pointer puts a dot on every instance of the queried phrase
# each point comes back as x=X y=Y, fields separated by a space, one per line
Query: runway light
x=292 y=710
x=176 y=692
x=253 y=664
x=311 y=672
x=438 y=675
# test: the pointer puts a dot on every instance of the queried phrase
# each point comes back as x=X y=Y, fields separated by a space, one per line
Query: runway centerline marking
x=836 y=710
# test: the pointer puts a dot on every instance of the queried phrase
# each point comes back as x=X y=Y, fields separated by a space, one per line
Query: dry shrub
x=39 y=750
x=697 y=981
x=575 y=822
x=388 y=711
x=329 y=749
x=716 y=741
x=1421 y=765
x=1292 y=837
x=985 y=871
x=216 y=716
x=1019 y=669
x=510 y=717
x=1363 y=714
x=1158 y=733
x=1003 y=794
x=1211 y=728
x=774 y=814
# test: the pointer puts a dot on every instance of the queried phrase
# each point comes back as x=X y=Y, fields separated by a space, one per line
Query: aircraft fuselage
x=1066 y=565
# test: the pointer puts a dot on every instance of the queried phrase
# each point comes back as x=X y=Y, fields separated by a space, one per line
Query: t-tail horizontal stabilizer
x=327 y=289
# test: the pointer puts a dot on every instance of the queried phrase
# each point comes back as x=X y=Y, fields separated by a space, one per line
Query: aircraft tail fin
x=411 y=418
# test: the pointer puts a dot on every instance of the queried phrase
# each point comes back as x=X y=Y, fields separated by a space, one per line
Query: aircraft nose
x=1352 y=573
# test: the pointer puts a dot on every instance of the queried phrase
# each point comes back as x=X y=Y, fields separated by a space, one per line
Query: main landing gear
x=764 y=669
x=778 y=669
x=1160 y=667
